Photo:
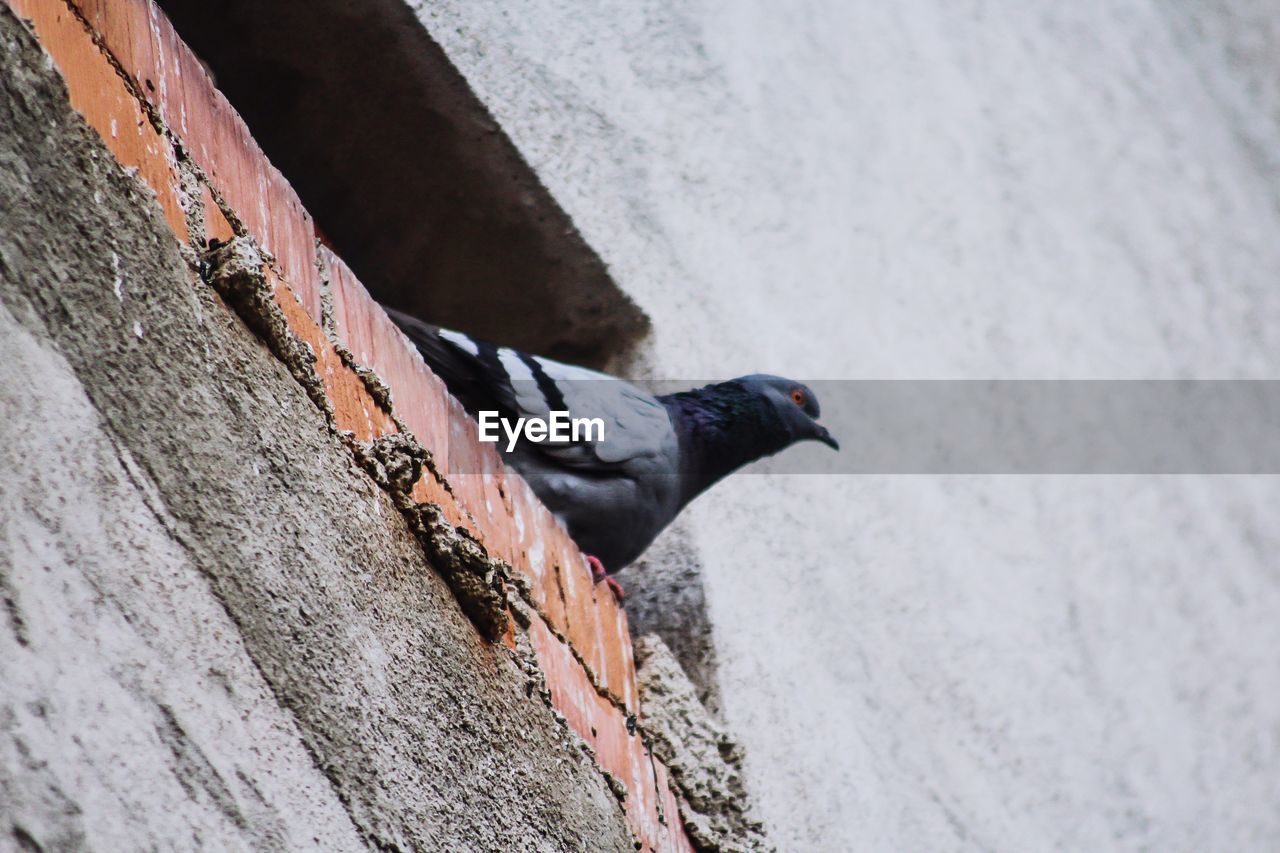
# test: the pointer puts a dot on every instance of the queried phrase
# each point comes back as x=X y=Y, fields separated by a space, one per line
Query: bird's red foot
x=598 y=572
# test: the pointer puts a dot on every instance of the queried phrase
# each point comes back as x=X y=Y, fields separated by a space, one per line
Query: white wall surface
x=928 y=189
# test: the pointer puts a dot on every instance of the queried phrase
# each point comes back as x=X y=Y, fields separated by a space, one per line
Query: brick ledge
x=156 y=109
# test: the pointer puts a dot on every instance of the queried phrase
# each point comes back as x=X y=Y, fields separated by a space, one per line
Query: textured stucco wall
x=216 y=631
x=929 y=189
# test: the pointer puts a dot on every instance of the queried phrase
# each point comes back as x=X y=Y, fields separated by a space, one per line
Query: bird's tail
x=467 y=366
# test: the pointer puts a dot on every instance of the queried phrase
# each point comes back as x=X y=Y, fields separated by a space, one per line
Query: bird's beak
x=826 y=437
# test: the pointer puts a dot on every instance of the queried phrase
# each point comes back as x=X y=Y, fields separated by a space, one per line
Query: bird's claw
x=599 y=574
x=618 y=592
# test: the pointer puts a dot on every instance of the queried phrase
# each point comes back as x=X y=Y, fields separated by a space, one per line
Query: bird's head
x=794 y=404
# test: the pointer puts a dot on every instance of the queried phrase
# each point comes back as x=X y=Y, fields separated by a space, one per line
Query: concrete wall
x=217 y=632
x=929 y=189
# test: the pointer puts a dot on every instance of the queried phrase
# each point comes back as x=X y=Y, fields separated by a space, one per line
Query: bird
x=615 y=494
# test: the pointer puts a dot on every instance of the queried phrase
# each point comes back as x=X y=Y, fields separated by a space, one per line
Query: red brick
x=498 y=495
x=170 y=77
x=126 y=29
x=499 y=525
x=531 y=555
x=622 y=754
x=482 y=497
x=420 y=398
x=565 y=592
x=101 y=96
x=575 y=697
x=465 y=462
x=353 y=407
x=578 y=591
x=216 y=226
x=290 y=237
x=618 y=675
x=642 y=800
x=352 y=318
x=473 y=469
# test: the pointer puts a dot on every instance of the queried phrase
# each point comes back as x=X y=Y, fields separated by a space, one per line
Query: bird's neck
x=721 y=428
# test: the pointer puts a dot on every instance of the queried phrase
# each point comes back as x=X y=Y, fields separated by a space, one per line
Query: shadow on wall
x=408 y=175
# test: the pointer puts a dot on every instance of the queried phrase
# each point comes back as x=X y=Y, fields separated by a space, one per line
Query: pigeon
x=616 y=493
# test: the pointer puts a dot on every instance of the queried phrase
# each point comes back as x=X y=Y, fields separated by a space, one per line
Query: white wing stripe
x=569 y=372
x=516 y=369
x=461 y=341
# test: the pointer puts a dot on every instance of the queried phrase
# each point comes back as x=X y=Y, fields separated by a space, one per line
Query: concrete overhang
x=408 y=175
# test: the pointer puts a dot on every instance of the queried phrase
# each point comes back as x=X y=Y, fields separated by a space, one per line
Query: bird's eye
x=798 y=397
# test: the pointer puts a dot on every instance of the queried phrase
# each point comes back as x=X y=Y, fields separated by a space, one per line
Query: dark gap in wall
x=408 y=175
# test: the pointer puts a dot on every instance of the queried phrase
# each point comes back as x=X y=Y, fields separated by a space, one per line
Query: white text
x=559 y=427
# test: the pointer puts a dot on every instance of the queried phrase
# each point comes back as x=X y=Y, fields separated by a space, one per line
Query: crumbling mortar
x=704 y=761
x=477 y=579
x=233 y=219
x=189 y=186
x=536 y=684
x=653 y=769
x=228 y=212
x=395 y=462
x=328 y=319
x=235 y=271
x=378 y=390
x=616 y=785
x=518 y=600
x=480 y=582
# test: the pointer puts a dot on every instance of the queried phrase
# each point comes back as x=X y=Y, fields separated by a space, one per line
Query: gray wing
x=637 y=428
x=638 y=435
